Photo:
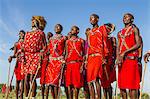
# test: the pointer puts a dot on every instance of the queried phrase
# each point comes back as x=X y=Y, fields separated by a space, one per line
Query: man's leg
x=86 y=91
x=22 y=89
x=123 y=93
x=66 y=91
x=133 y=94
x=76 y=90
x=105 y=93
x=110 y=92
x=17 y=88
x=91 y=89
x=34 y=86
x=55 y=91
x=98 y=89
x=70 y=92
x=27 y=84
x=42 y=89
x=138 y=93
x=52 y=91
x=47 y=91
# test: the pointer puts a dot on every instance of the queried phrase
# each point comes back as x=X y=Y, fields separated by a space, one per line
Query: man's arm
x=83 y=55
x=146 y=56
x=66 y=50
x=140 y=50
x=14 y=55
x=137 y=40
x=83 y=47
x=117 y=50
x=114 y=47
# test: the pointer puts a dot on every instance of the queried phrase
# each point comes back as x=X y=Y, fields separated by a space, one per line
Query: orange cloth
x=34 y=42
x=97 y=45
x=20 y=62
x=110 y=65
x=56 y=48
x=93 y=68
x=73 y=75
x=74 y=62
x=128 y=75
x=44 y=66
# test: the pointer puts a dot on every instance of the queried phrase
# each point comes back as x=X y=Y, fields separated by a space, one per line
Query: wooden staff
x=7 y=92
x=60 y=79
x=143 y=75
x=12 y=78
x=116 y=87
x=32 y=82
x=105 y=70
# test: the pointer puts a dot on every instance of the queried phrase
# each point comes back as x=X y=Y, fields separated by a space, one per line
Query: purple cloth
x=86 y=47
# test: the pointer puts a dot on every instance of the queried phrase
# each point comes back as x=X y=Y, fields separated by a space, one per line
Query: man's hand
x=146 y=56
x=118 y=61
x=85 y=64
x=9 y=59
x=81 y=69
x=104 y=61
x=41 y=56
x=120 y=58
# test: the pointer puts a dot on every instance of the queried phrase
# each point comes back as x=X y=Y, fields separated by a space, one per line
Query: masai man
x=56 y=48
x=146 y=56
x=140 y=60
x=140 y=57
x=84 y=73
x=44 y=64
x=97 y=55
x=109 y=74
x=127 y=58
x=74 y=61
x=35 y=43
x=19 y=64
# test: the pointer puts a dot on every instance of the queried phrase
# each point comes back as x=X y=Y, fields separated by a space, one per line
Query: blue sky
x=16 y=15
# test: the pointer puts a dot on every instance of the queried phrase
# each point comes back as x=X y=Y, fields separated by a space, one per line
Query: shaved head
x=95 y=15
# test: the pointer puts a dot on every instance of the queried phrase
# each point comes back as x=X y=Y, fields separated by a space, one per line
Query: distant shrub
x=145 y=96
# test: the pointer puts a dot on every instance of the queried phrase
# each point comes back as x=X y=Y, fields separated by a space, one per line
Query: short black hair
x=132 y=17
x=22 y=31
x=60 y=26
x=50 y=33
x=76 y=27
x=95 y=15
x=87 y=29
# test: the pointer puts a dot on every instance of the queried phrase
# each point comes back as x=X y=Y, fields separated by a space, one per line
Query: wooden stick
x=11 y=79
x=105 y=69
x=60 y=79
x=143 y=75
x=116 y=89
x=7 y=92
x=32 y=82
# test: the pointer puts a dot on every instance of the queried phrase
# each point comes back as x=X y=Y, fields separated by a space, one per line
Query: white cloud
x=14 y=20
x=5 y=27
x=3 y=48
x=18 y=16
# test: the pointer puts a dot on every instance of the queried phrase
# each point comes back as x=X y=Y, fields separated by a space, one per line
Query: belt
x=95 y=54
x=75 y=61
x=56 y=58
x=132 y=57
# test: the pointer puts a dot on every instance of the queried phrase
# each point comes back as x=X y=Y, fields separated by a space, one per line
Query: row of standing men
x=74 y=63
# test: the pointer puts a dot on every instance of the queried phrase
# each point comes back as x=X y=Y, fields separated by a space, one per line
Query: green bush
x=145 y=96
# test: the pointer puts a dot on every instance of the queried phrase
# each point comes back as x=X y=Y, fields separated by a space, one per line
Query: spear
x=143 y=75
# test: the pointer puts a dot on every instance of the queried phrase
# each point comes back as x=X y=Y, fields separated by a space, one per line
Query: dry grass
x=81 y=96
